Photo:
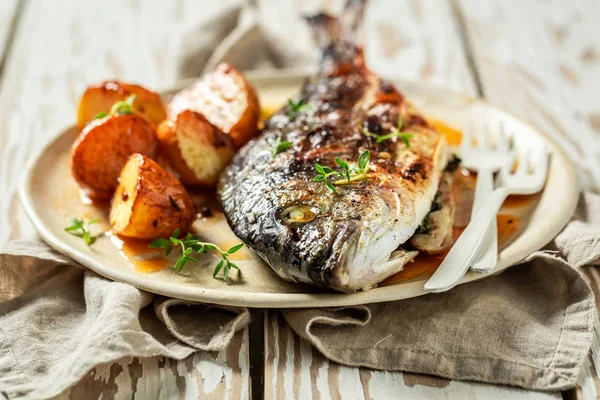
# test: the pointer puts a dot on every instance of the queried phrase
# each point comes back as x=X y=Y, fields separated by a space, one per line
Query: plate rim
x=276 y=300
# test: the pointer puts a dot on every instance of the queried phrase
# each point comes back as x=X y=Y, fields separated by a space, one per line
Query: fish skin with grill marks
x=352 y=238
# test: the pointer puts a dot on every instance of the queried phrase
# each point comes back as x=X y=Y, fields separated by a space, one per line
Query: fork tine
x=506 y=170
x=467 y=139
x=502 y=140
x=524 y=162
x=484 y=137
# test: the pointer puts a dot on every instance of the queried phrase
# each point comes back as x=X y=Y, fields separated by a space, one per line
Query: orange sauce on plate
x=141 y=257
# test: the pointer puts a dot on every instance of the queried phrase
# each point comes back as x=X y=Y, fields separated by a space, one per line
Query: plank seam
x=467 y=45
x=8 y=44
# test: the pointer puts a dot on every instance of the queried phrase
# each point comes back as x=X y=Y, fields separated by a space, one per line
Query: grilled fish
x=356 y=236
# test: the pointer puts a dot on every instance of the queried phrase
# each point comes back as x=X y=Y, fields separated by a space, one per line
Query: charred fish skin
x=341 y=240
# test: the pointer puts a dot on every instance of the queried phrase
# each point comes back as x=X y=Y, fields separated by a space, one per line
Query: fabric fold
x=57 y=326
x=530 y=326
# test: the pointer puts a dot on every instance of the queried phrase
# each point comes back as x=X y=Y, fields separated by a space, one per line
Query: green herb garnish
x=280 y=146
x=123 y=107
x=174 y=204
x=395 y=133
x=350 y=173
x=100 y=115
x=191 y=243
x=435 y=204
x=81 y=229
x=425 y=227
x=296 y=108
x=453 y=163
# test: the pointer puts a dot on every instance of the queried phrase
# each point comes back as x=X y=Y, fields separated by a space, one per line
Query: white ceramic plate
x=51 y=196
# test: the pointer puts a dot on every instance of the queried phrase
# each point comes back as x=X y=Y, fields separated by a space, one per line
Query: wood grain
x=8 y=17
x=220 y=375
x=57 y=51
x=539 y=60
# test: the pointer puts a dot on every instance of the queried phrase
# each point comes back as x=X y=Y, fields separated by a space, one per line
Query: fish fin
x=326 y=29
x=338 y=38
x=351 y=20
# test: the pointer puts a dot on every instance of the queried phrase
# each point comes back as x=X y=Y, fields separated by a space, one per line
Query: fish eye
x=298 y=214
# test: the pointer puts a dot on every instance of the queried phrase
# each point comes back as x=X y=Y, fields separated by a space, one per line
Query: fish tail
x=339 y=37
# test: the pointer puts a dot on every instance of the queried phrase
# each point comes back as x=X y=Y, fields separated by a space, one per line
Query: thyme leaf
x=81 y=229
x=189 y=244
x=347 y=175
x=280 y=146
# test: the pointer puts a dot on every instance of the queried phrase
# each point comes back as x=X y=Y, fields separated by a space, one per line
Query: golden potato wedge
x=101 y=97
x=149 y=203
x=103 y=147
x=226 y=99
x=195 y=148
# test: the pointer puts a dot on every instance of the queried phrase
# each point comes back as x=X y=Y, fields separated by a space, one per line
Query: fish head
x=342 y=239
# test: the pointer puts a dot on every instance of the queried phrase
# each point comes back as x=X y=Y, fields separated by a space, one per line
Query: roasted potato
x=226 y=99
x=101 y=97
x=196 y=149
x=103 y=147
x=149 y=202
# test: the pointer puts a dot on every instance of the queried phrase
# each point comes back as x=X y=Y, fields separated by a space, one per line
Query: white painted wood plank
x=201 y=375
x=58 y=49
x=418 y=40
x=8 y=14
x=541 y=61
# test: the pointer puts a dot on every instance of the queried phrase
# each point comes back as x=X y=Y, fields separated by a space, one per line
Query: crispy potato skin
x=226 y=99
x=103 y=147
x=196 y=149
x=101 y=97
x=142 y=204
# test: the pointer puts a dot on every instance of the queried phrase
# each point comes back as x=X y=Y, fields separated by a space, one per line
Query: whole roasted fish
x=352 y=233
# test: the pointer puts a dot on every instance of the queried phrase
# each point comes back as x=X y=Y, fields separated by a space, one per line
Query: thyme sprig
x=295 y=108
x=395 y=133
x=81 y=229
x=123 y=107
x=189 y=244
x=347 y=175
x=280 y=146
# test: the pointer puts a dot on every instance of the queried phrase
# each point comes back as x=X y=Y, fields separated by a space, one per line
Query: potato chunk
x=196 y=149
x=226 y=99
x=149 y=202
x=101 y=97
x=103 y=147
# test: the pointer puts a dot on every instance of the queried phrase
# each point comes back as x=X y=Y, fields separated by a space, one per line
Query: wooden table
x=539 y=59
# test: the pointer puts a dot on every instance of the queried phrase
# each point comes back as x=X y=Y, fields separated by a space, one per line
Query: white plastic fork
x=522 y=181
x=485 y=159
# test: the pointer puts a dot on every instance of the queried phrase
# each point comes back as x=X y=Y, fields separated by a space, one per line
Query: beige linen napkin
x=59 y=320
x=530 y=326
